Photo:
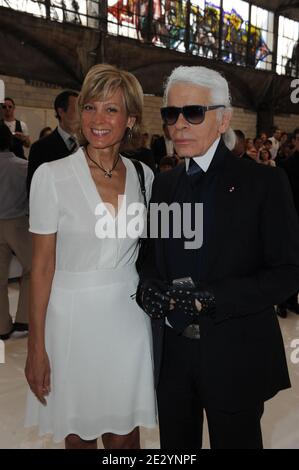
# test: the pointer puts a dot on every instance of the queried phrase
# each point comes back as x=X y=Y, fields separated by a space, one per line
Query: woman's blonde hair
x=102 y=81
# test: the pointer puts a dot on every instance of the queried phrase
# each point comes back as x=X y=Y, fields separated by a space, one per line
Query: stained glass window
x=194 y=26
x=30 y=6
x=234 y=31
x=204 y=28
x=124 y=17
x=288 y=47
x=164 y=24
x=261 y=33
x=72 y=11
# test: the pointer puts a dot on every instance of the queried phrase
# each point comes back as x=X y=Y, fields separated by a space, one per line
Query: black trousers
x=181 y=404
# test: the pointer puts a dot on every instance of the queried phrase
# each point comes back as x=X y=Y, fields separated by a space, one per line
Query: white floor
x=280 y=422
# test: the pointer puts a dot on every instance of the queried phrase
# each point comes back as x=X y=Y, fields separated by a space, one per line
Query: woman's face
x=263 y=137
x=264 y=155
x=104 y=123
x=258 y=143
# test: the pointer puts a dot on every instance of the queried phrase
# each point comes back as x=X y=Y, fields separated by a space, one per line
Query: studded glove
x=151 y=297
x=185 y=297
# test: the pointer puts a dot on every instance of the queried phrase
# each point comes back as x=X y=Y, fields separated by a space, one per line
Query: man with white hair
x=217 y=341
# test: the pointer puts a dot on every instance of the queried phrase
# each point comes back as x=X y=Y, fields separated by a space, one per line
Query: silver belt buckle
x=192 y=331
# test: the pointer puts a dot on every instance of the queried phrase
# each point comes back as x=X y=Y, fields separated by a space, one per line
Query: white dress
x=97 y=338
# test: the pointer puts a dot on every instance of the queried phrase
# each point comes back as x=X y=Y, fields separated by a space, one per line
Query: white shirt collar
x=204 y=161
x=65 y=136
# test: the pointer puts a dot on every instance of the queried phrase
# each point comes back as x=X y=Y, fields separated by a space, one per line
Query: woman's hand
x=37 y=372
x=37 y=368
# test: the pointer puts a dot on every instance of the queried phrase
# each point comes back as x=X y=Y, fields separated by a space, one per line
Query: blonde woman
x=89 y=364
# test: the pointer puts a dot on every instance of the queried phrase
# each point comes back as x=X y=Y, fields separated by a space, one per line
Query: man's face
x=194 y=139
x=69 y=119
x=277 y=134
x=8 y=110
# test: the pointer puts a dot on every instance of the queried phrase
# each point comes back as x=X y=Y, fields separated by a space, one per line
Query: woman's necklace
x=107 y=173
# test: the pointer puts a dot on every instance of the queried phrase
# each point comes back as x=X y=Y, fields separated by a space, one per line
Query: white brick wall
x=287 y=122
x=151 y=113
x=244 y=120
x=28 y=95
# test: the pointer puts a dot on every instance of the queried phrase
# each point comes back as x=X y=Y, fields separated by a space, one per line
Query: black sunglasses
x=195 y=114
x=7 y=106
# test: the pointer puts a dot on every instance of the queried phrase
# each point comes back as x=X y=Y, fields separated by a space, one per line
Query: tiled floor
x=280 y=422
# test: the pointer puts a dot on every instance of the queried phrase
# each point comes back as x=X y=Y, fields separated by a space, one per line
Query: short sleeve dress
x=97 y=338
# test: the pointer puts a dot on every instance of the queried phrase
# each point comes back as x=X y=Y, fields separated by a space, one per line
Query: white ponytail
x=229 y=138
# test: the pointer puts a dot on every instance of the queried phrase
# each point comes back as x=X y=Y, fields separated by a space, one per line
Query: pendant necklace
x=107 y=173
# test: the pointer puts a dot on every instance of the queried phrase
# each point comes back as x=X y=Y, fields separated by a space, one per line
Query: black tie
x=194 y=168
x=73 y=144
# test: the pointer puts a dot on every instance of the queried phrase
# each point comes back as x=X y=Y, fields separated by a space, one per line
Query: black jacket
x=291 y=166
x=143 y=155
x=48 y=149
x=251 y=253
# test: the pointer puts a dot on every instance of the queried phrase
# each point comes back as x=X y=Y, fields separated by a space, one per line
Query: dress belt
x=101 y=277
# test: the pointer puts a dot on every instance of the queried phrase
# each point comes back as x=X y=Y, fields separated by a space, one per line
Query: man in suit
x=217 y=345
x=61 y=142
x=291 y=166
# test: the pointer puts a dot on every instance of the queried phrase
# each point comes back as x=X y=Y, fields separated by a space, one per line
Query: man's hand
x=20 y=136
x=23 y=138
x=151 y=297
x=192 y=300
